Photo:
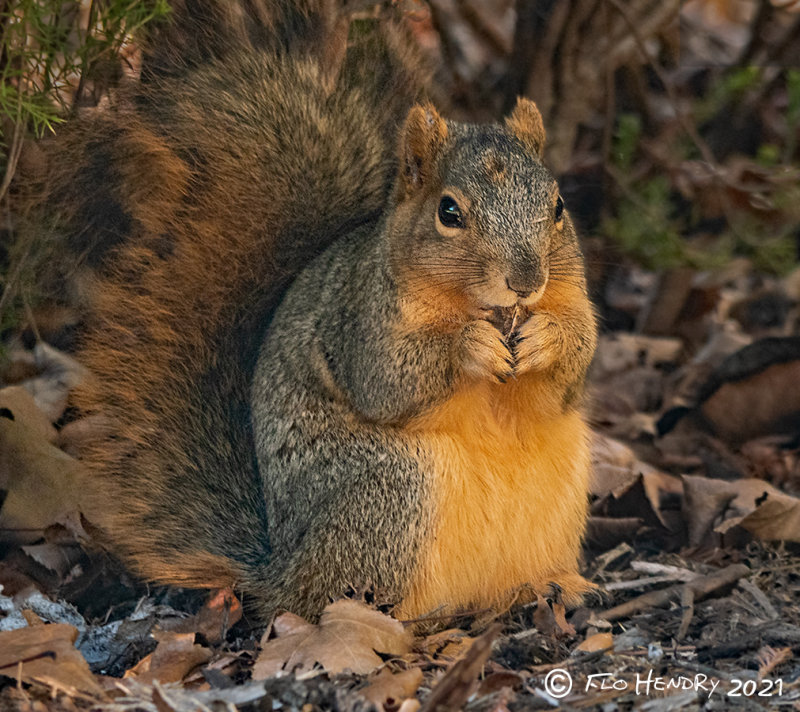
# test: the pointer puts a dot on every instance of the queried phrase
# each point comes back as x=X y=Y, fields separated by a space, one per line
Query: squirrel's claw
x=538 y=345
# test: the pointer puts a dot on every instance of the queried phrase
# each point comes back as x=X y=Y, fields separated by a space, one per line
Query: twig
x=14 y=148
x=760 y=598
x=687 y=603
x=651 y=567
x=82 y=80
x=641 y=582
x=700 y=588
x=484 y=30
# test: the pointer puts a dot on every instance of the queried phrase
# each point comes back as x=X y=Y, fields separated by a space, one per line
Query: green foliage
x=626 y=140
x=729 y=90
x=642 y=227
x=50 y=47
x=646 y=229
x=651 y=222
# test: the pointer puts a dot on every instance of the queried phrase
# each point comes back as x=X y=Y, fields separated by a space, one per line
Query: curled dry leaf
x=752 y=504
x=637 y=488
x=543 y=617
x=754 y=391
x=454 y=688
x=497 y=681
x=22 y=408
x=349 y=636
x=560 y=615
x=218 y=615
x=42 y=482
x=615 y=467
x=46 y=654
x=175 y=657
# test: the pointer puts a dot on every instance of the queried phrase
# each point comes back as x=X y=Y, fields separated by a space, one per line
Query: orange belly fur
x=511 y=475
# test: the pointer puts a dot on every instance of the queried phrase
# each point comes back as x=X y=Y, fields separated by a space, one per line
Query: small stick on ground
x=700 y=587
x=641 y=582
x=687 y=603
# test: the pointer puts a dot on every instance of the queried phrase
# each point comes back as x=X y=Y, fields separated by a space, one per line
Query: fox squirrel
x=409 y=416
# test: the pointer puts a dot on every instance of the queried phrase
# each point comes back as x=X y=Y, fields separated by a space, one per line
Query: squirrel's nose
x=521 y=288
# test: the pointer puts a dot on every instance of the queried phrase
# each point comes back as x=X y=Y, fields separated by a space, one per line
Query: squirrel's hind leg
x=347 y=510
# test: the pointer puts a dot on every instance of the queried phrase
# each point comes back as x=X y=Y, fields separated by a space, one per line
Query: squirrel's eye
x=559 y=209
x=449 y=213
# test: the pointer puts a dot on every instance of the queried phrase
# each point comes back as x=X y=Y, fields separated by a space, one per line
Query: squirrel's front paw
x=538 y=344
x=484 y=352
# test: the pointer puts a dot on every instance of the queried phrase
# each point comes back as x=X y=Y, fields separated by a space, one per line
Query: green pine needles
x=52 y=53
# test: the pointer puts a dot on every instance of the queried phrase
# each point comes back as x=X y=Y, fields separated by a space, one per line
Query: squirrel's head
x=478 y=217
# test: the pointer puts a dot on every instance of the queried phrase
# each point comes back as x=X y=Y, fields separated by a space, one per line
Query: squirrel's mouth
x=507 y=319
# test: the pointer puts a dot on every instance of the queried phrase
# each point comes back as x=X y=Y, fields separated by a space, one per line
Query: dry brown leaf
x=218 y=615
x=604 y=533
x=543 y=617
x=23 y=408
x=287 y=623
x=43 y=484
x=55 y=557
x=173 y=659
x=705 y=500
x=632 y=487
x=348 y=637
x=560 y=615
x=46 y=654
x=227 y=664
x=456 y=685
x=752 y=504
x=388 y=690
x=596 y=642
x=31 y=617
x=220 y=612
x=766 y=402
x=764 y=511
x=614 y=466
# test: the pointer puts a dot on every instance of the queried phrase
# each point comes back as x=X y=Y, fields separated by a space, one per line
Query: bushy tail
x=213 y=186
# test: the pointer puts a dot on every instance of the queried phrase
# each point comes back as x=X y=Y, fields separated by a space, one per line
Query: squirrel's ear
x=526 y=124
x=424 y=134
